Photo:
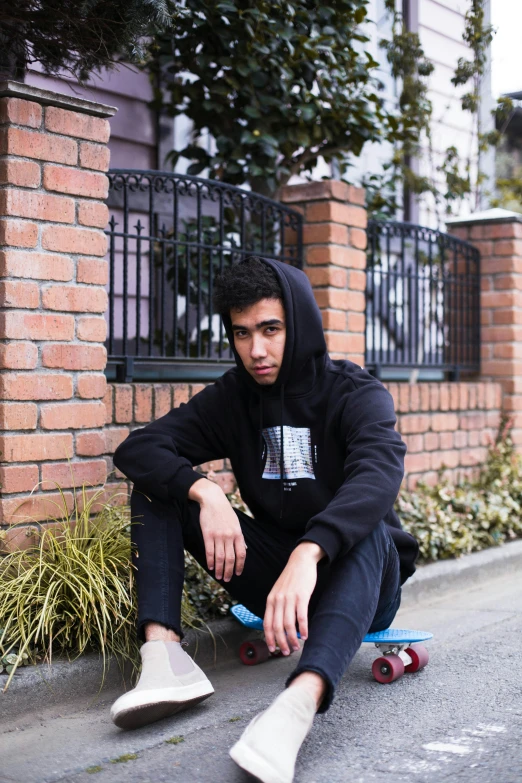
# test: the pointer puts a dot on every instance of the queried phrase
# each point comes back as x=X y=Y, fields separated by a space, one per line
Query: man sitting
x=313 y=447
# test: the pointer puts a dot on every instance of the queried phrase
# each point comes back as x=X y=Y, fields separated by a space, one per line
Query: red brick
x=345 y=343
x=73 y=474
x=25 y=204
x=404 y=398
x=18 y=356
x=318 y=233
x=461 y=439
x=181 y=394
x=18 y=416
x=142 y=403
x=324 y=255
x=74 y=357
x=356 y=322
x=23 y=173
x=41 y=146
x=113 y=437
x=90 y=444
x=18 y=294
x=472 y=421
x=500 y=299
x=35 y=386
x=358 y=238
x=414 y=423
x=93 y=213
x=334 y=320
x=417 y=463
x=340 y=300
x=508 y=247
x=74 y=240
x=122 y=404
x=334 y=211
x=162 y=399
x=38 y=266
x=414 y=443
x=108 y=401
x=75 y=299
x=18 y=233
x=226 y=481
x=71 y=123
x=91 y=386
x=75 y=182
x=18 y=478
x=474 y=438
x=94 y=156
x=15 y=325
x=93 y=271
x=434 y=397
x=35 y=448
x=19 y=111
x=35 y=508
x=357 y=281
x=92 y=329
x=450 y=458
x=77 y=415
x=441 y=422
x=444 y=397
x=431 y=441
x=446 y=440
x=313 y=191
x=326 y=276
x=18 y=538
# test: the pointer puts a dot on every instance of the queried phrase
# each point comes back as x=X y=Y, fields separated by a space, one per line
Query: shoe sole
x=248 y=760
x=142 y=714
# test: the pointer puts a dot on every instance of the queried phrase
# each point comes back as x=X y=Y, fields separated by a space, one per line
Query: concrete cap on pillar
x=495 y=215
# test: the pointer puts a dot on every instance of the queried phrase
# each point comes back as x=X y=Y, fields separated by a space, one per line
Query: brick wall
x=53 y=299
x=450 y=423
x=334 y=240
x=498 y=235
x=133 y=405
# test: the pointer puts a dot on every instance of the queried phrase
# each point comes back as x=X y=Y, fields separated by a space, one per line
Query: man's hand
x=224 y=542
x=289 y=598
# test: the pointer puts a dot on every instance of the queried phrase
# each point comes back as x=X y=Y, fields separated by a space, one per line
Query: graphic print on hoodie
x=332 y=485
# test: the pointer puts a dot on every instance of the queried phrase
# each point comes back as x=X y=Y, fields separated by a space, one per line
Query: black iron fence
x=169 y=235
x=422 y=301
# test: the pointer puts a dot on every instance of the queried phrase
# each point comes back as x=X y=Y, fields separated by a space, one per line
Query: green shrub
x=449 y=520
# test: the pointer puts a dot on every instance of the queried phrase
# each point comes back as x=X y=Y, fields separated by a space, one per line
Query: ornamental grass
x=75 y=590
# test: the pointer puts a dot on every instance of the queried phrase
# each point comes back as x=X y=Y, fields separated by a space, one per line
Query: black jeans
x=356 y=594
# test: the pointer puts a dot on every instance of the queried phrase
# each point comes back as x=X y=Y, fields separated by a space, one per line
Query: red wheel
x=254 y=652
x=388 y=668
x=419 y=658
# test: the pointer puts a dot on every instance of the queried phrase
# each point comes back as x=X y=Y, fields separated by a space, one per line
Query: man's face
x=259 y=338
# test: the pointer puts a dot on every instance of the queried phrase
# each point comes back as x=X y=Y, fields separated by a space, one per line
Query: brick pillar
x=334 y=239
x=497 y=233
x=53 y=152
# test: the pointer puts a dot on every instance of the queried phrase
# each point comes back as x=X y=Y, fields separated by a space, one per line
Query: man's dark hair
x=244 y=284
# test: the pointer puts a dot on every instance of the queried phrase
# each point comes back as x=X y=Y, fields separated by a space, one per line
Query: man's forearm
x=308 y=550
x=204 y=490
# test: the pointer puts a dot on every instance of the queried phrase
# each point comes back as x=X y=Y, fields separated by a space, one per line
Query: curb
x=40 y=687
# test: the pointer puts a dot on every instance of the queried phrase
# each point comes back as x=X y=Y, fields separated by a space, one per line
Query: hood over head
x=305 y=348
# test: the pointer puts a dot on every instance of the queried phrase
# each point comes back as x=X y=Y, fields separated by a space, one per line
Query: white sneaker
x=169 y=682
x=269 y=745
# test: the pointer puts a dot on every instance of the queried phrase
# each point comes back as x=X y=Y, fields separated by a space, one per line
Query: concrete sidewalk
x=73 y=682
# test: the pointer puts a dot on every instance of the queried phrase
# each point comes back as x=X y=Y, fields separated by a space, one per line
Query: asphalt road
x=459 y=719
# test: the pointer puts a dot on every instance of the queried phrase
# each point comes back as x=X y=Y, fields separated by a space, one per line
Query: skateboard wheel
x=388 y=668
x=254 y=652
x=419 y=658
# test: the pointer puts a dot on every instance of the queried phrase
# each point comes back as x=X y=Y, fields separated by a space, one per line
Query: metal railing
x=422 y=300
x=169 y=235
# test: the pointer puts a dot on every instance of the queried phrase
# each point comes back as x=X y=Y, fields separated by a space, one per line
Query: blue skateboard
x=400 y=649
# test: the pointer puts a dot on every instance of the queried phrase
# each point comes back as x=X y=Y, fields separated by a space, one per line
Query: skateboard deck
x=400 y=648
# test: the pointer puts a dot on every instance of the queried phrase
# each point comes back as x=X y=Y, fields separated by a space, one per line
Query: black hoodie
x=343 y=460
